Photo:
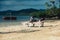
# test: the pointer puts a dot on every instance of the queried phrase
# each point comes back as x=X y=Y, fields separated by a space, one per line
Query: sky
x=22 y=4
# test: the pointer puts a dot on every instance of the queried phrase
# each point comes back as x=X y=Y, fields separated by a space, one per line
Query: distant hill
x=19 y=12
x=28 y=10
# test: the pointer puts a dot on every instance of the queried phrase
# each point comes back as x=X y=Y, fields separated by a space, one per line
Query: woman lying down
x=34 y=21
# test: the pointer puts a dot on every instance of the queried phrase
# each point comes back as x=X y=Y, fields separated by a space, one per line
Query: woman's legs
x=42 y=23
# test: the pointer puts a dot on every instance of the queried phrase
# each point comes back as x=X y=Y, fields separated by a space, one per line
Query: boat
x=9 y=18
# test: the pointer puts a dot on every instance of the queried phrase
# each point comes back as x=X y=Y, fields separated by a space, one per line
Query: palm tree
x=59 y=3
x=51 y=8
x=48 y=5
x=53 y=2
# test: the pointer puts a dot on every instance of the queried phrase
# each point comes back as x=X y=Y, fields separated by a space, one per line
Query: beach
x=50 y=31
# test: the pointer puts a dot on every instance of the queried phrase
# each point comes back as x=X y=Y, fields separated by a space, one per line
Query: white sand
x=51 y=31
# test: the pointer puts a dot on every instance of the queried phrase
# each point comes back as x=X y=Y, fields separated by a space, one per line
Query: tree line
x=51 y=11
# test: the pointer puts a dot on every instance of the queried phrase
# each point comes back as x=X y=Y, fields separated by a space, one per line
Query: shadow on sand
x=21 y=31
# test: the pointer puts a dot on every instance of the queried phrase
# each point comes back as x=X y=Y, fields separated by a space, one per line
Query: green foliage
x=48 y=5
x=58 y=13
x=47 y=13
x=51 y=11
x=39 y=14
x=35 y=14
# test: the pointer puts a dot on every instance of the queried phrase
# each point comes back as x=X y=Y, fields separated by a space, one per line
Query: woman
x=32 y=21
x=42 y=21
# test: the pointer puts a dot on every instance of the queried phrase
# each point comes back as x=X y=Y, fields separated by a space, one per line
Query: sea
x=6 y=23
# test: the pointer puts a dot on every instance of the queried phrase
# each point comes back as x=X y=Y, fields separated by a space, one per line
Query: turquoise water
x=15 y=22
